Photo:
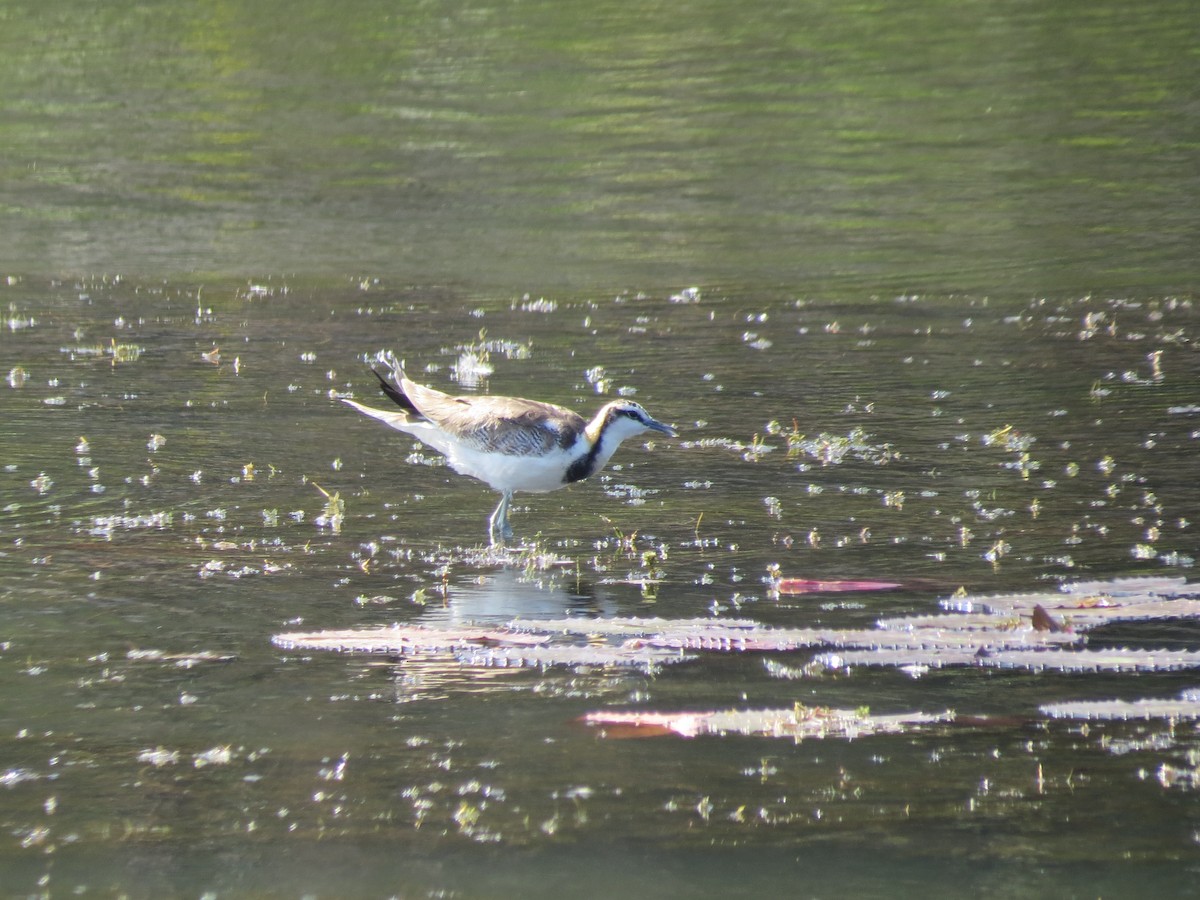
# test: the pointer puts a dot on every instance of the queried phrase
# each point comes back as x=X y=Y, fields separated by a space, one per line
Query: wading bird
x=509 y=443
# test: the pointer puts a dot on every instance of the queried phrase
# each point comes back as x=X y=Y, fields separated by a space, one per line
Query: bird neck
x=598 y=442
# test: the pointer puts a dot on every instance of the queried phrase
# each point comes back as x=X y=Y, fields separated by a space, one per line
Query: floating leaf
x=399 y=640
x=1009 y=631
x=807 y=586
x=605 y=656
x=1185 y=706
x=495 y=648
x=1087 y=595
x=799 y=723
x=631 y=625
x=1049 y=658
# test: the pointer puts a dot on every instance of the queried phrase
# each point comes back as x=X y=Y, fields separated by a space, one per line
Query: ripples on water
x=942 y=337
x=180 y=483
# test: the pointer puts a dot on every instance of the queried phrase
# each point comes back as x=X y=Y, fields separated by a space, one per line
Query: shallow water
x=942 y=334
x=162 y=519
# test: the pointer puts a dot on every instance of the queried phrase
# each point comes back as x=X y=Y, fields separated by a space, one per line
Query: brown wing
x=509 y=425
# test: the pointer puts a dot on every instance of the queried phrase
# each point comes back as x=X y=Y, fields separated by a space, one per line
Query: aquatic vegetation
x=1015 y=631
x=484 y=647
x=799 y=723
x=463 y=723
x=1040 y=660
x=124 y=353
x=810 y=586
x=540 y=305
x=159 y=756
x=471 y=368
x=599 y=656
x=106 y=526
x=334 y=512
x=491 y=648
x=180 y=660
x=833 y=449
x=402 y=640
x=18 y=322
x=1186 y=706
x=749 y=452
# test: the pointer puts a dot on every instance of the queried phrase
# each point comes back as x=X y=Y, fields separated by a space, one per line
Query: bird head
x=623 y=419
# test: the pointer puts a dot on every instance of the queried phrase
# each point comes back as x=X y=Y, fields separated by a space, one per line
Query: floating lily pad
x=1143 y=597
x=799 y=723
x=629 y=625
x=1042 y=630
x=571 y=655
x=961 y=622
x=768 y=640
x=399 y=640
x=1185 y=706
x=1050 y=658
x=479 y=647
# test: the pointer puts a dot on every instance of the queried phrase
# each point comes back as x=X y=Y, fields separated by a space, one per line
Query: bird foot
x=500 y=535
x=498 y=528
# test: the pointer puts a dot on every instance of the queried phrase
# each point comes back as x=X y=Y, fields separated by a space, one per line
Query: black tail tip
x=394 y=393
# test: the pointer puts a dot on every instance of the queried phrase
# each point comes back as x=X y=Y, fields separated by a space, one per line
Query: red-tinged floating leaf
x=648 y=724
x=625 y=731
x=808 y=586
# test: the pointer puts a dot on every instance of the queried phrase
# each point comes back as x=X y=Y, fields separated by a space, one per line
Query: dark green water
x=955 y=240
x=982 y=146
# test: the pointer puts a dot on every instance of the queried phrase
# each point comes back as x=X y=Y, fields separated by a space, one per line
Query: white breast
x=536 y=474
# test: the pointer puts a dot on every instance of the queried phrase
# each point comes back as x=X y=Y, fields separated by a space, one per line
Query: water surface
x=544 y=145
x=941 y=334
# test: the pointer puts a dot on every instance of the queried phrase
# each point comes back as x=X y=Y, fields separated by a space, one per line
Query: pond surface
x=916 y=284
x=166 y=513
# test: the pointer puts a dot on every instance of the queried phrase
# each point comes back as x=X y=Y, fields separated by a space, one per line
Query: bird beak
x=665 y=429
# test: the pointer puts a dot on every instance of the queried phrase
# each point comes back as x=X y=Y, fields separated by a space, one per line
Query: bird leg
x=498 y=528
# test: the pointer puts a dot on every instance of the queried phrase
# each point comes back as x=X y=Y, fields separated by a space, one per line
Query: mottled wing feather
x=508 y=425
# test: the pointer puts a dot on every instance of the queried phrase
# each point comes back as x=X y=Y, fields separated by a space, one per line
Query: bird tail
x=398 y=420
x=394 y=392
